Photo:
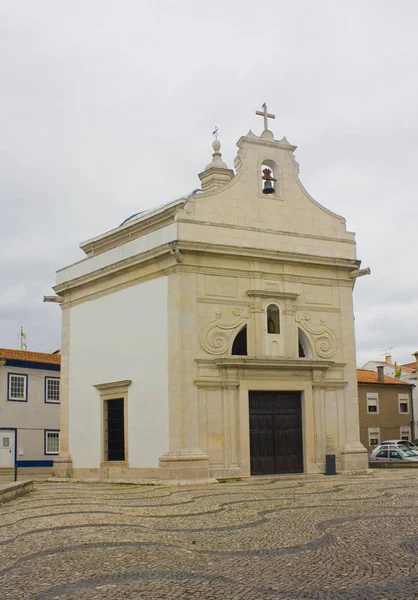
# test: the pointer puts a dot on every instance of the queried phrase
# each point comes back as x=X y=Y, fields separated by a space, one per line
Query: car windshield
x=407 y=452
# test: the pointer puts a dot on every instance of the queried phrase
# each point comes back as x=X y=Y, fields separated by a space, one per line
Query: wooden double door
x=276 y=433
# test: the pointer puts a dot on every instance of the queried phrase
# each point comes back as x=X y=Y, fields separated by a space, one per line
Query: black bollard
x=330 y=465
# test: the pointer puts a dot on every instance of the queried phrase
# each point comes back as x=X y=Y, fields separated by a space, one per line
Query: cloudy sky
x=107 y=108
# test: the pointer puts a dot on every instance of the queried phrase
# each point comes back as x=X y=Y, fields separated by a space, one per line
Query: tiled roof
x=25 y=355
x=412 y=366
x=364 y=376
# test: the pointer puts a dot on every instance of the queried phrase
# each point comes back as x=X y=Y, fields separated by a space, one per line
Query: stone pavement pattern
x=264 y=538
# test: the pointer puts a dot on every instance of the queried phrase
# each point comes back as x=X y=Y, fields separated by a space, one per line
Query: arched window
x=304 y=345
x=239 y=347
x=273 y=319
x=301 y=350
x=269 y=177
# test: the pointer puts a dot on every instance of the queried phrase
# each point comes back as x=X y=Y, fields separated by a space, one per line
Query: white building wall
x=117 y=337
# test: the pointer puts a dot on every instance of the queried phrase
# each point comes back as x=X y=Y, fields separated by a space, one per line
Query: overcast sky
x=107 y=108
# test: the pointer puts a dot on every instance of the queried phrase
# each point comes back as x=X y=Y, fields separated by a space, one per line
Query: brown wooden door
x=275 y=433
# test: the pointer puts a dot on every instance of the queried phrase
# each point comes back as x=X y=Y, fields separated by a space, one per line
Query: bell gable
x=266 y=206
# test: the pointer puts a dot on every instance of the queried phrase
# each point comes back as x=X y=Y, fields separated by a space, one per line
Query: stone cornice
x=132 y=230
x=260 y=141
x=310 y=236
x=131 y=262
x=185 y=247
x=216 y=384
x=272 y=294
x=260 y=253
x=267 y=363
x=112 y=385
x=330 y=385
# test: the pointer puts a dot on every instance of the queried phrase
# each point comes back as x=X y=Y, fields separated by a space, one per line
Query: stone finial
x=216 y=173
x=216 y=157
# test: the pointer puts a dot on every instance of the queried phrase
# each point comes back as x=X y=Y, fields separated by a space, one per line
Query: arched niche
x=273 y=319
x=304 y=345
x=239 y=346
x=271 y=166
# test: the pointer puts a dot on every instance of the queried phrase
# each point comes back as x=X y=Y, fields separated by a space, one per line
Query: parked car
x=405 y=443
x=391 y=453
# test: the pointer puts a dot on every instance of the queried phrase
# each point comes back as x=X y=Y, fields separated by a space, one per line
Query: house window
x=52 y=442
x=405 y=433
x=17 y=387
x=52 y=389
x=114 y=429
x=403 y=400
x=273 y=319
x=374 y=436
x=372 y=403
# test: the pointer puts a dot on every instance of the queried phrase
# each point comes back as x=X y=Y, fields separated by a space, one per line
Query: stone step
x=7 y=475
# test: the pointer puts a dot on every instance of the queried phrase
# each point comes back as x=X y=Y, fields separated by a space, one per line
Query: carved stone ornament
x=215 y=336
x=324 y=340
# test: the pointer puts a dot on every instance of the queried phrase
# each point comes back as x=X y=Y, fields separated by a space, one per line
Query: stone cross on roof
x=266 y=115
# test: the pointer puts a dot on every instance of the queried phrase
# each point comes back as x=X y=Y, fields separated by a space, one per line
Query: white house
x=29 y=409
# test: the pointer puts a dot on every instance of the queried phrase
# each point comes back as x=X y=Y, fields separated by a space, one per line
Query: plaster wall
x=30 y=418
x=33 y=413
x=127 y=340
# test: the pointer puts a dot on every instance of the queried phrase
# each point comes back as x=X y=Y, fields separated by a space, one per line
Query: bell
x=268 y=187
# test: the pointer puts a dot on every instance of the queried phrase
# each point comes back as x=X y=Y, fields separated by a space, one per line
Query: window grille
x=52 y=389
x=17 y=387
x=52 y=442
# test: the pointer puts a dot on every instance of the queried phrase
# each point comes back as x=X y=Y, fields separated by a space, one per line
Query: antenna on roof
x=386 y=351
x=388 y=355
x=23 y=336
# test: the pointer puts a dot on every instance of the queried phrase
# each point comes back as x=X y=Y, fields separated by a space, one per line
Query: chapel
x=213 y=337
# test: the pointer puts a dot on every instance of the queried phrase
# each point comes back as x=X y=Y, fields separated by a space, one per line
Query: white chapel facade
x=214 y=337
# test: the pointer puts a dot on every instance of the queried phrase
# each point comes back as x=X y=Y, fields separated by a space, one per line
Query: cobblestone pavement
x=294 y=538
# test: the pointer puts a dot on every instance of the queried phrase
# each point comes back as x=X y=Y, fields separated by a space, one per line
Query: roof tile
x=364 y=376
x=25 y=355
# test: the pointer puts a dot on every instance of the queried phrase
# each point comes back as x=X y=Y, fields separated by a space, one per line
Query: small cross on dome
x=264 y=113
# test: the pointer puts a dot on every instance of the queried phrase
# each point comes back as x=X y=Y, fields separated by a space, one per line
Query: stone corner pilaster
x=354 y=458
x=63 y=466
x=185 y=465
